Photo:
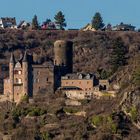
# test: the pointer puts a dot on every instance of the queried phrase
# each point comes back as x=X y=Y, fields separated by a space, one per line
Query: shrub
x=97 y=120
x=70 y=110
x=134 y=113
x=46 y=136
x=136 y=76
x=37 y=112
x=112 y=126
x=25 y=98
x=17 y=112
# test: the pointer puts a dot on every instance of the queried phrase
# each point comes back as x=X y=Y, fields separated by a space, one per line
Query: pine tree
x=60 y=20
x=97 y=21
x=118 y=54
x=35 y=24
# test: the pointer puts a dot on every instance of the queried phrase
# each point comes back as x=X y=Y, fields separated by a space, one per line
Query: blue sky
x=77 y=12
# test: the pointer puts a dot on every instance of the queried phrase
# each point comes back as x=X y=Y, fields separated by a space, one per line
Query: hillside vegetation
x=113 y=55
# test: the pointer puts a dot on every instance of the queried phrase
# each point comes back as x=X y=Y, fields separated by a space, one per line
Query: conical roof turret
x=12 y=59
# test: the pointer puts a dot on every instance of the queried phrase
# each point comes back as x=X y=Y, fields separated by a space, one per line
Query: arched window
x=18 y=80
x=19 y=72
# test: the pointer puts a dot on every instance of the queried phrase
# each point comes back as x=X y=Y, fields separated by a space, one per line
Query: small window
x=55 y=62
x=47 y=79
x=19 y=80
x=15 y=72
x=19 y=72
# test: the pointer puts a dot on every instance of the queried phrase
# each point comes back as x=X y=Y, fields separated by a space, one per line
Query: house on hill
x=8 y=22
x=124 y=27
x=88 y=27
x=23 y=25
x=48 y=26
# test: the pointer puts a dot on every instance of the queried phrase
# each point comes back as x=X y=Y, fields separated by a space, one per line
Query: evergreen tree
x=118 y=54
x=97 y=21
x=35 y=24
x=60 y=20
x=109 y=27
x=47 y=21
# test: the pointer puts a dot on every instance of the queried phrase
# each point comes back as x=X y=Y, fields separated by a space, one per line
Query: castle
x=26 y=77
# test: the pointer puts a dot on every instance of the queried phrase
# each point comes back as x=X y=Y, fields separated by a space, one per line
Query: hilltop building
x=124 y=27
x=88 y=27
x=8 y=22
x=23 y=25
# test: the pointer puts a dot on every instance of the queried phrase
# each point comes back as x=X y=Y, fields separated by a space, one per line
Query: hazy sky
x=77 y=12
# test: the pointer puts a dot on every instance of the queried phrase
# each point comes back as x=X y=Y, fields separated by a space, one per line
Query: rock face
x=7 y=137
x=72 y=103
x=130 y=104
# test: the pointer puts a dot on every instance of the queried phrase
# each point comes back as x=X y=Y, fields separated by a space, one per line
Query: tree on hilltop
x=97 y=21
x=60 y=20
x=47 y=21
x=35 y=24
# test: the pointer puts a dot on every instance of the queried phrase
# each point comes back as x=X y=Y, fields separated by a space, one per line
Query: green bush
x=136 y=76
x=106 y=122
x=97 y=120
x=37 y=112
x=17 y=112
x=46 y=136
x=134 y=113
x=111 y=125
x=25 y=98
x=70 y=110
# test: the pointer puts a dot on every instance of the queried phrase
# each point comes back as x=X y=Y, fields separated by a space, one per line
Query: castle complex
x=27 y=77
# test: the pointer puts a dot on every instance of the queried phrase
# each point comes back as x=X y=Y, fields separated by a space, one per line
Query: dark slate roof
x=78 y=76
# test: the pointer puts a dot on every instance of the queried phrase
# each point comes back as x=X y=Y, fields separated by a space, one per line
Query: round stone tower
x=63 y=54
